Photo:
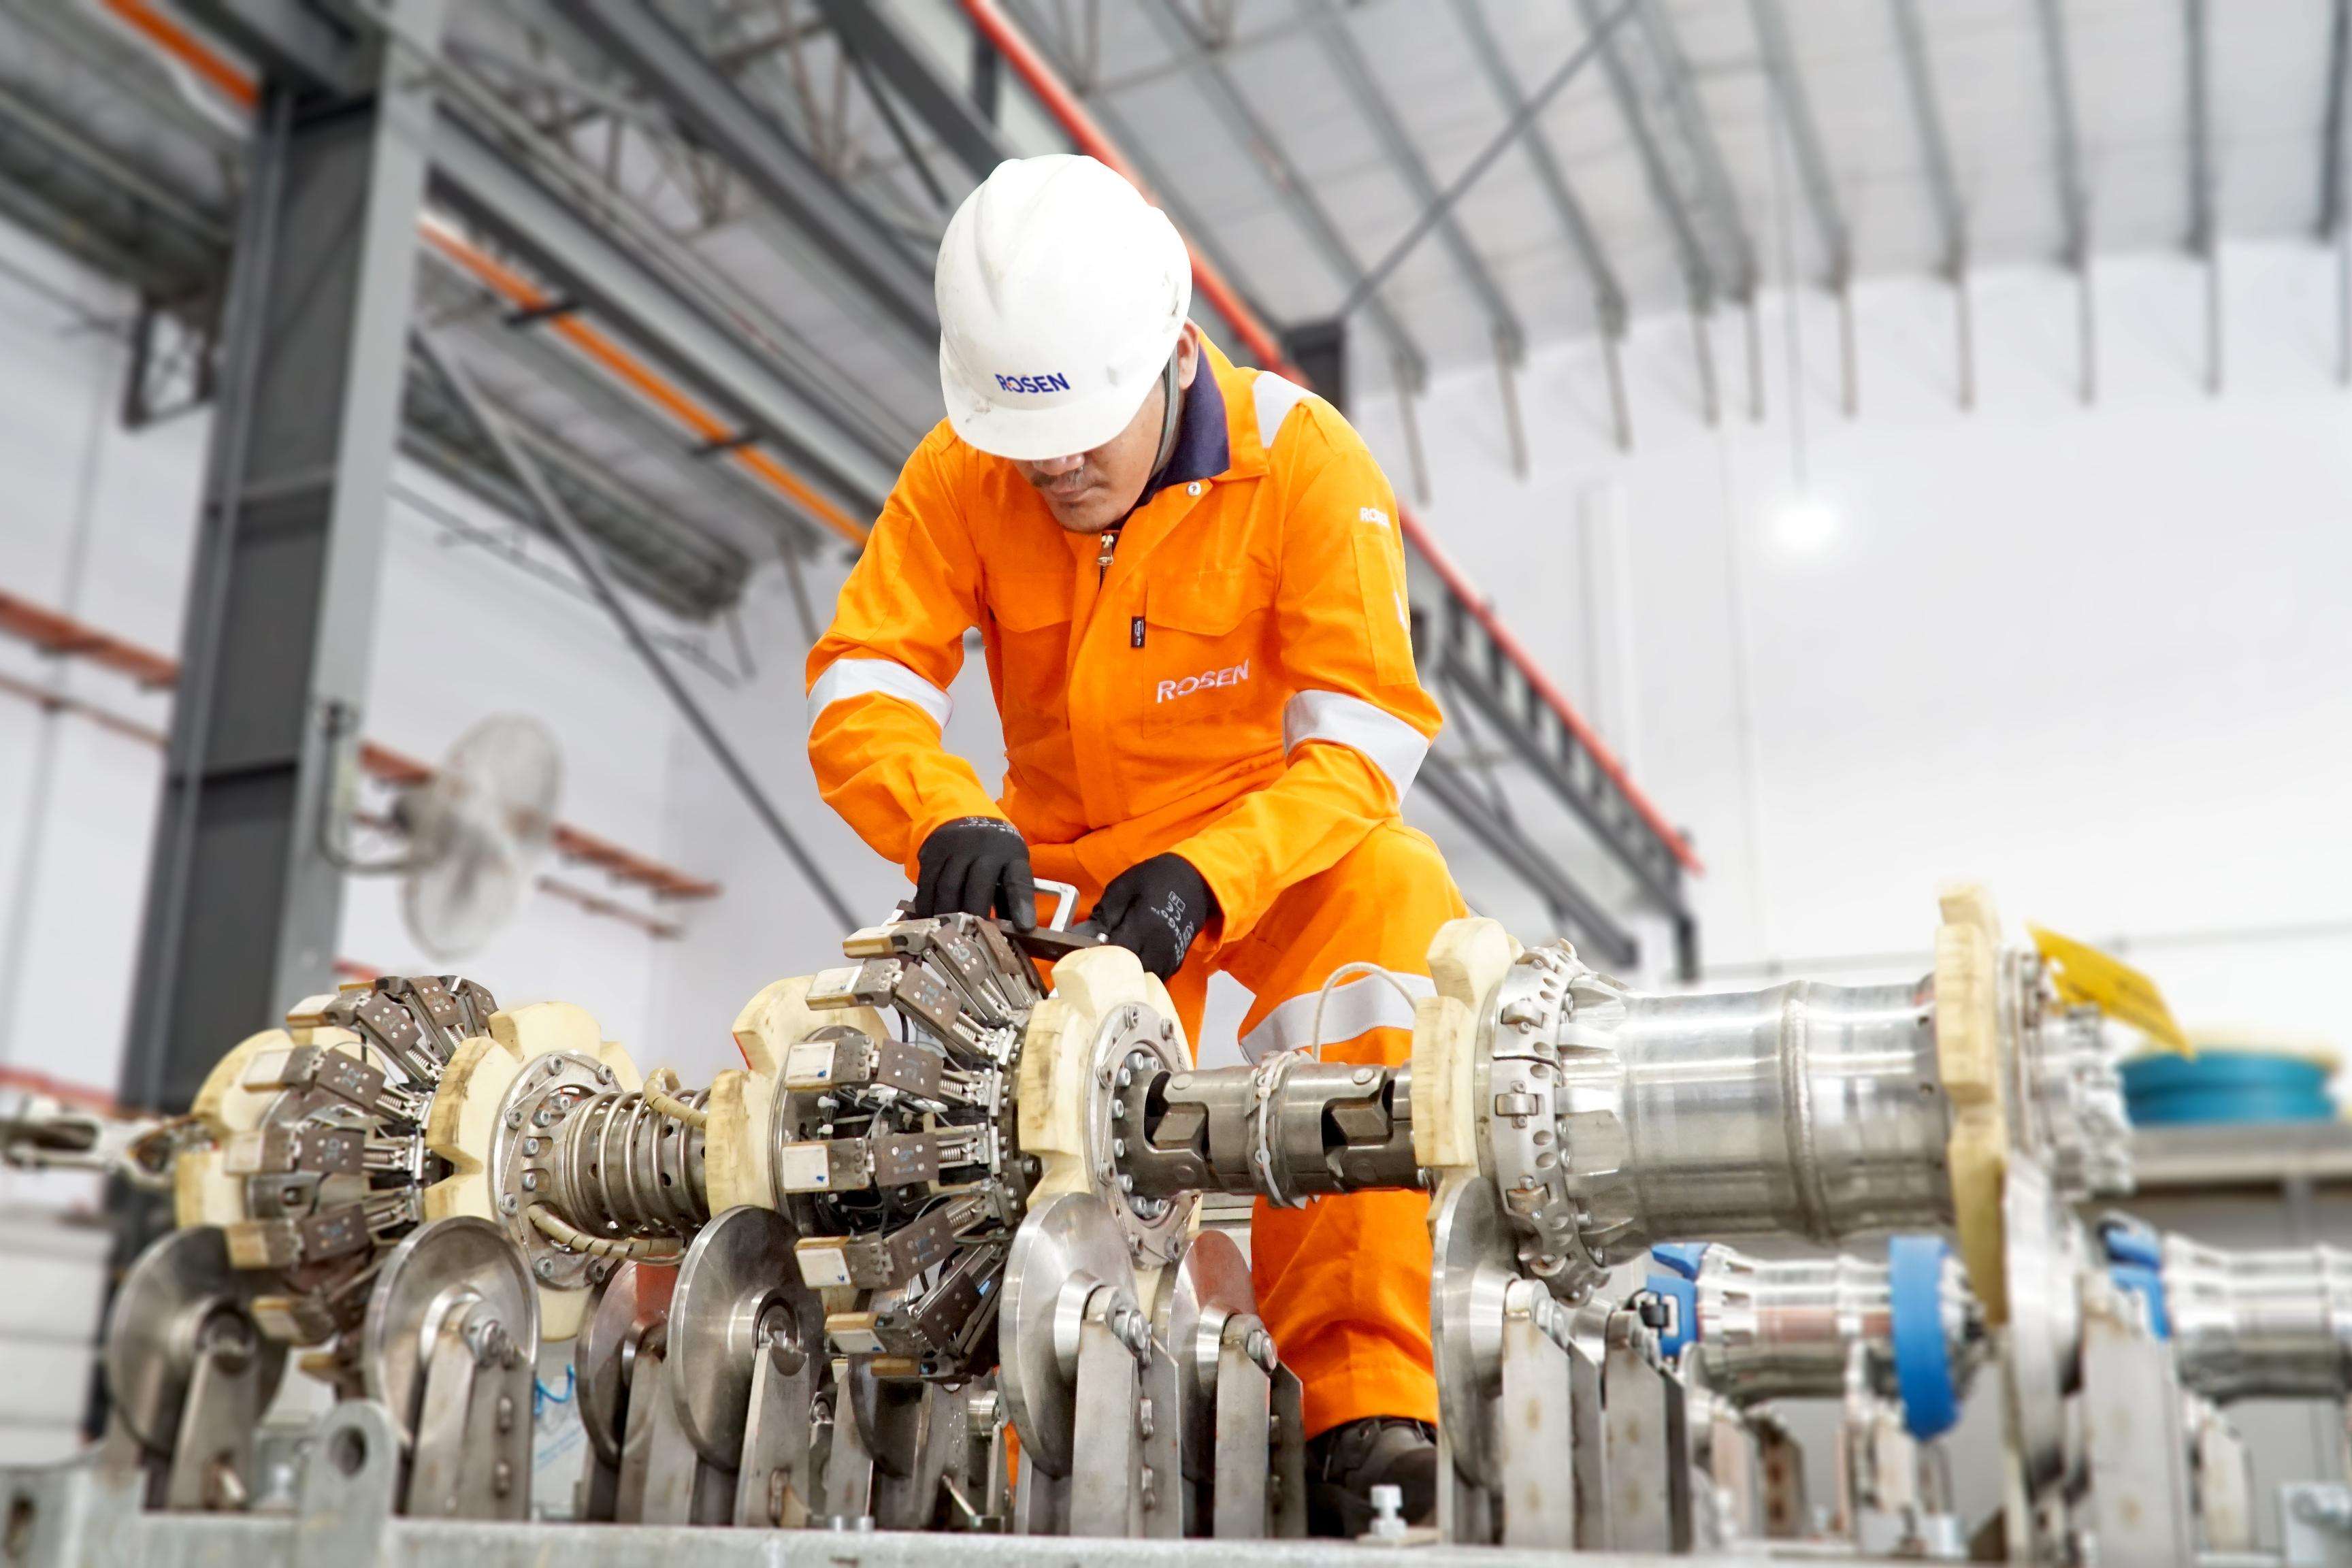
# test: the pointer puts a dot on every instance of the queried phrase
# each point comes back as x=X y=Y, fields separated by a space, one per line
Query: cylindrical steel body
x=2272 y=1324
x=1807 y=1108
x=1786 y=1328
x=622 y=1168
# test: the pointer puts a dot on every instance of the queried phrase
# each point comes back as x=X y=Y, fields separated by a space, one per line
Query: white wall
x=2096 y=657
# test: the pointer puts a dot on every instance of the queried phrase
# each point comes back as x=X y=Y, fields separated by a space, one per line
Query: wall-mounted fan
x=476 y=830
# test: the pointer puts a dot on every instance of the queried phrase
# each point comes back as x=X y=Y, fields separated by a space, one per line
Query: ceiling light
x=1804 y=525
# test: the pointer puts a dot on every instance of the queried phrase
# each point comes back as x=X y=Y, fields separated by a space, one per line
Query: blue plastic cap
x=1684 y=1295
x=2148 y=1284
x=1923 y=1359
x=1681 y=1257
x=2133 y=1241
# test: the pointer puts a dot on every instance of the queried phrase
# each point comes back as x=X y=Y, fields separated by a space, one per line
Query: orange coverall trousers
x=1342 y=1284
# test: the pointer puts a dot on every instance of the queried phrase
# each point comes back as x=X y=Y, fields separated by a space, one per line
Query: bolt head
x=514 y=1118
x=544 y=1269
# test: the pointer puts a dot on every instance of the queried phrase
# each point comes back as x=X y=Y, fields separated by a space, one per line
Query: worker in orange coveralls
x=1189 y=585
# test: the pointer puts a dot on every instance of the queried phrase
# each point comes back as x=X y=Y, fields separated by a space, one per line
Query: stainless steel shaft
x=2272 y=1324
x=1790 y=1328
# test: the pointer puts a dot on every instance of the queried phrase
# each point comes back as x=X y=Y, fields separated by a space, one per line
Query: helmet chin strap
x=1172 y=410
x=1172 y=414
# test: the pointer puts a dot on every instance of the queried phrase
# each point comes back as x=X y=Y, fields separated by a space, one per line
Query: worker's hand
x=976 y=866
x=1155 y=910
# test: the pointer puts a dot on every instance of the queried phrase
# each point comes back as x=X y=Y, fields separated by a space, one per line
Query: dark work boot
x=1344 y=1464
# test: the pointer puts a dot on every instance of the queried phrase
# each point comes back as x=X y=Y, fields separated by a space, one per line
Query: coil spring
x=626 y=1169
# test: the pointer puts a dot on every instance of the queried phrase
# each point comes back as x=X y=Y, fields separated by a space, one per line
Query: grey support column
x=243 y=910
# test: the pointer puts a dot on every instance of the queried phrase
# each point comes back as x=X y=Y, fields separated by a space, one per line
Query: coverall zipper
x=1102 y=562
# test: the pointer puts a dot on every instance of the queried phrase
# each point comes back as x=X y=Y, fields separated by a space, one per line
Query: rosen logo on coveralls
x=1231 y=675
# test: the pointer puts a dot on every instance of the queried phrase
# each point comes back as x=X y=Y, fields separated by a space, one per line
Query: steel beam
x=709 y=106
x=1943 y=183
x=1805 y=140
x=1289 y=184
x=1699 y=280
x=242 y=906
x=547 y=507
x=1371 y=101
x=1609 y=308
x=757 y=517
x=1595 y=933
x=683 y=570
x=1696 y=133
x=1452 y=654
x=2204 y=220
x=57 y=181
x=876 y=35
x=576 y=255
x=2073 y=189
x=1835 y=239
x=2332 y=149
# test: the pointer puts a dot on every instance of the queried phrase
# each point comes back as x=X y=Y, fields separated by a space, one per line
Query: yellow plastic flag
x=2086 y=976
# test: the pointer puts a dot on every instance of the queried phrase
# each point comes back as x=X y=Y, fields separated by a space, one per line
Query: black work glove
x=1155 y=910
x=976 y=866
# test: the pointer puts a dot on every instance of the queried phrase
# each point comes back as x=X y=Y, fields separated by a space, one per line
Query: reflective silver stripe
x=1367 y=1002
x=1275 y=398
x=858 y=677
x=1394 y=746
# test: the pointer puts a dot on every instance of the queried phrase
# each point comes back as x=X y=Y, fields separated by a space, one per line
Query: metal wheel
x=1471 y=1265
x=738 y=1288
x=178 y=1291
x=1209 y=1284
x=457 y=1263
x=625 y=1307
x=1061 y=1253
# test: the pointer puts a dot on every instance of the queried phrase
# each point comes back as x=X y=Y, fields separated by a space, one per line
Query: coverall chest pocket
x=1200 y=651
x=1032 y=612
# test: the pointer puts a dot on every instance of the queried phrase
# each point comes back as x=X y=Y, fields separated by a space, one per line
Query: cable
x=572 y=1238
x=1314 y=1046
x=660 y=1092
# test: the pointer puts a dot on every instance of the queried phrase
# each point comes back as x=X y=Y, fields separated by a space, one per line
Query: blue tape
x=1684 y=1295
x=1681 y=1257
x=1923 y=1360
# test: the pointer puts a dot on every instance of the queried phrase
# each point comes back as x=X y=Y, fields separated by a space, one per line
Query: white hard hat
x=1061 y=294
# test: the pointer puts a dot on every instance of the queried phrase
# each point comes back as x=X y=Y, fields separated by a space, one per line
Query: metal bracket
x=348 y=1487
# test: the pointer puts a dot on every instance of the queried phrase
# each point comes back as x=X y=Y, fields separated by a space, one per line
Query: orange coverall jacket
x=1237 y=687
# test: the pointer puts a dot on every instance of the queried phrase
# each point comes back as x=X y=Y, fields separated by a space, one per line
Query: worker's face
x=1088 y=492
